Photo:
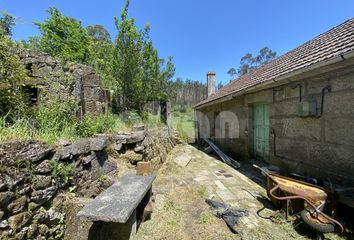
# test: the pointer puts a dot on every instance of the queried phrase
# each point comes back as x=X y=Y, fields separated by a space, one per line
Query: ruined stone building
x=51 y=78
x=296 y=112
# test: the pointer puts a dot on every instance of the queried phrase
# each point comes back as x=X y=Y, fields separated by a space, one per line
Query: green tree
x=232 y=72
x=128 y=61
x=101 y=54
x=248 y=63
x=64 y=37
x=32 y=43
x=6 y=23
x=140 y=75
x=99 y=33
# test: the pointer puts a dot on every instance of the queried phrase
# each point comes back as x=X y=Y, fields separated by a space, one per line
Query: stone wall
x=319 y=146
x=32 y=174
x=38 y=181
x=51 y=78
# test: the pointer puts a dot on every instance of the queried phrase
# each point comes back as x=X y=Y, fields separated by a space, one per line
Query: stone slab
x=183 y=160
x=225 y=195
x=220 y=185
x=118 y=202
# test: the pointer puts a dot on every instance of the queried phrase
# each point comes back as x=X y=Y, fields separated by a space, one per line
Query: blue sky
x=202 y=35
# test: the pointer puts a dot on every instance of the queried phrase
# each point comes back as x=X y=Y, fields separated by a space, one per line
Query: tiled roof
x=332 y=43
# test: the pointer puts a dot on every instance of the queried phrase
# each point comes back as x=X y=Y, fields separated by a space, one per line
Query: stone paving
x=238 y=188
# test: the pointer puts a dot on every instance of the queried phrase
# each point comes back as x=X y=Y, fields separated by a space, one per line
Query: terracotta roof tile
x=332 y=43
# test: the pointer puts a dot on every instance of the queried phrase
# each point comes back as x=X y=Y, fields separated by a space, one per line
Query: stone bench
x=115 y=211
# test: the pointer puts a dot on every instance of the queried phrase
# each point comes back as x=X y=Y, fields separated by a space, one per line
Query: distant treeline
x=186 y=92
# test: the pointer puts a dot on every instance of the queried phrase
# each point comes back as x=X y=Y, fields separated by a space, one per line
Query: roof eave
x=333 y=60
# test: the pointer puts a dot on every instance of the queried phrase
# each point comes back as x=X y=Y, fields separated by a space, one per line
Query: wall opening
x=31 y=93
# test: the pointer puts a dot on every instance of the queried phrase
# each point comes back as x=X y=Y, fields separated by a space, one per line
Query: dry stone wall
x=37 y=179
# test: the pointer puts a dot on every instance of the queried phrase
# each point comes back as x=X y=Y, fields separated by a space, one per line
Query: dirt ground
x=180 y=210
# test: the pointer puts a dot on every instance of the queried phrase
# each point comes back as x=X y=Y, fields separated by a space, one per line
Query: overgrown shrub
x=103 y=123
x=12 y=78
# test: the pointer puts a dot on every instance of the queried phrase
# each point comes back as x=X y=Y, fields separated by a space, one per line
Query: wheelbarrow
x=306 y=198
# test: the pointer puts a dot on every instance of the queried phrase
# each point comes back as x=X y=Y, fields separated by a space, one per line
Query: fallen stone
x=1 y=214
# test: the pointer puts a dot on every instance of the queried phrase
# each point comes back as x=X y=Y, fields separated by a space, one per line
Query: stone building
x=52 y=79
x=296 y=112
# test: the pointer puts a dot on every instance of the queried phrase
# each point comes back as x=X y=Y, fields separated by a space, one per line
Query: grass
x=57 y=120
x=49 y=126
x=183 y=123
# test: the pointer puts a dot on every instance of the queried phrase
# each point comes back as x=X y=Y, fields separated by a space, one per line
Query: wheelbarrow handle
x=263 y=171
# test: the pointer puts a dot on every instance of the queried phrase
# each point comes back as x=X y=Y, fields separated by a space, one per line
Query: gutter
x=333 y=60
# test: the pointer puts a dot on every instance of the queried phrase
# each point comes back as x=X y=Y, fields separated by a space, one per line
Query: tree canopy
x=64 y=37
x=140 y=75
x=248 y=62
x=6 y=23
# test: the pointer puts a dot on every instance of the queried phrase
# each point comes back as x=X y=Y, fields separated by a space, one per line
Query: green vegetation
x=64 y=37
x=130 y=69
x=183 y=123
x=62 y=171
x=12 y=77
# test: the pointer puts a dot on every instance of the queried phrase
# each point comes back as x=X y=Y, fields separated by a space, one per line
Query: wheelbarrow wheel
x=317 y=223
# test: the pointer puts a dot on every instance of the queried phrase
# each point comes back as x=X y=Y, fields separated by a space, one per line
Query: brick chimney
x=211 y=83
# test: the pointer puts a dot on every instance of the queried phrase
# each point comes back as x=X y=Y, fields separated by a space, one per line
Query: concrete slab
x=202 y=179
x=225 y=195
x=220 y=185
x=118 y=202
x=183 y=160
x=202 y=173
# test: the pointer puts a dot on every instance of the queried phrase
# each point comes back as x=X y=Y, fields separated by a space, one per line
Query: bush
x=12 y=77
x=103 y=123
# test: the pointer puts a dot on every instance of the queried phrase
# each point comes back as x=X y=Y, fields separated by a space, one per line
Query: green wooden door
x=261 y=130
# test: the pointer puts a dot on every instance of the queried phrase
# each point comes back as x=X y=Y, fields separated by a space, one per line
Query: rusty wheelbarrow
x=304 y=197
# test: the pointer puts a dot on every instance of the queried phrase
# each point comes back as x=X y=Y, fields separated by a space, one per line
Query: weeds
x=62 y=171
